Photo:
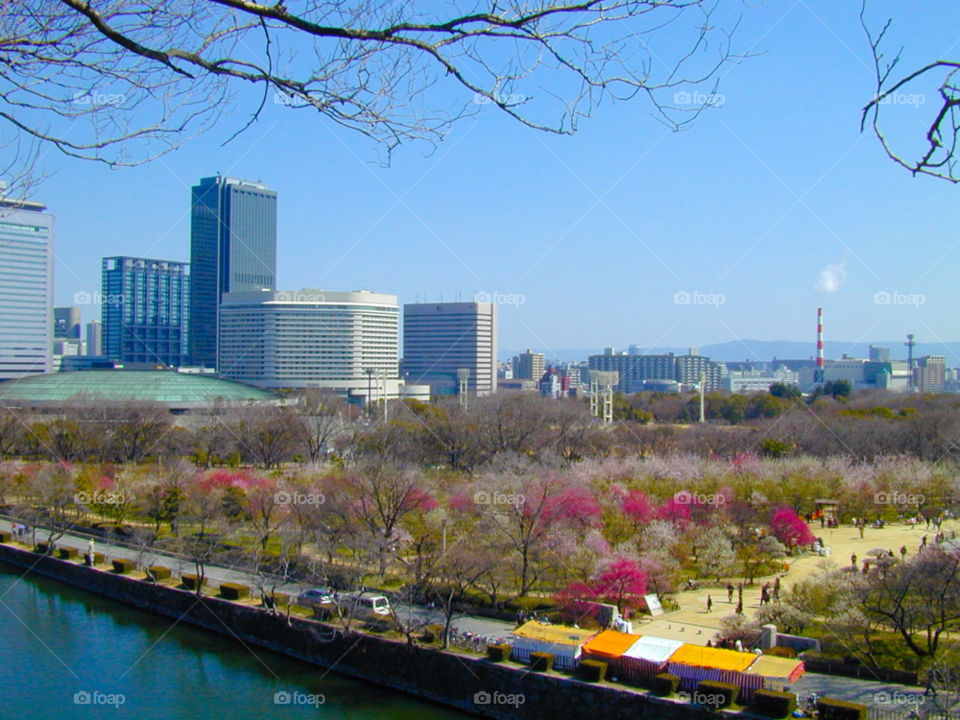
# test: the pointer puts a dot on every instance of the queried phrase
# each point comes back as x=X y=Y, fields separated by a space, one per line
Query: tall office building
x=26 y=289
x=94 y=338
x=233 y=249
x=530 y=365
x=929 y=376
x=344 y=342
x=66 y=323
x=441 y=339
x=145 y=310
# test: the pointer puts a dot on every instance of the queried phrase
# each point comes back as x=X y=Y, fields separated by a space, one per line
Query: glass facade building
x=145 y=310
x=233 y=248
x=26 y=289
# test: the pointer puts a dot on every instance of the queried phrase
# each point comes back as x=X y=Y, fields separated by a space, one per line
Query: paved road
x=852 y=689
x=216 y=575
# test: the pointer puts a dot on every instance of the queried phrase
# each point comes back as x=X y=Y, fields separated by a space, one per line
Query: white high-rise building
x=341 y=341
x=440 y=339
x=94 y=338
x=26 y=289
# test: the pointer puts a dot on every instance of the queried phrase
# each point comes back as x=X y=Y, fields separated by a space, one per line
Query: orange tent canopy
x=610 y=644
x=713 y=658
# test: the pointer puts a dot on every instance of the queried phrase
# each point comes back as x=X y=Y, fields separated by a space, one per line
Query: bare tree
x=124 y=81
x=321 y=421
x=938 y=154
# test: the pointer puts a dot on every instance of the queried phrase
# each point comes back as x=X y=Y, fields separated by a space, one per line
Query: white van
x=366 y=606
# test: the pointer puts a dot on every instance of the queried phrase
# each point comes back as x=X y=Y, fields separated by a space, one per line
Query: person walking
x=853 y=559
x=730 y=592
x=709 y=604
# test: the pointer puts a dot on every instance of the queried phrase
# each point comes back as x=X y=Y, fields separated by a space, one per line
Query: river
x=67 y=653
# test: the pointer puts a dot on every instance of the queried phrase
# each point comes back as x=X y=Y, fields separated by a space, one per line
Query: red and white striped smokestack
x=820 y=344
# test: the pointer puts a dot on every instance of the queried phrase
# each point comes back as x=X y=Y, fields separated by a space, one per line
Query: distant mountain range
x=767 y=350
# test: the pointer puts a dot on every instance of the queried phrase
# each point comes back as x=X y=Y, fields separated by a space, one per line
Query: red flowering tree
x=790 y=529
x=638 y=506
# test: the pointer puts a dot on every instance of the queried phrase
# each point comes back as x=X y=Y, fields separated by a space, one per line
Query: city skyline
x=755 y=202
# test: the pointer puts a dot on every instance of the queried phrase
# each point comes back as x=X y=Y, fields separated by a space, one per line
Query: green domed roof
x=176 y=390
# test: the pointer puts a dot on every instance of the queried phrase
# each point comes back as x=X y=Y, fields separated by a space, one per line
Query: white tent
x=647 y=657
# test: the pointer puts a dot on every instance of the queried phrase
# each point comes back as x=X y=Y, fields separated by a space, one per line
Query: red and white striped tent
x=776 y=672
x=647 y=657
x=694 y=663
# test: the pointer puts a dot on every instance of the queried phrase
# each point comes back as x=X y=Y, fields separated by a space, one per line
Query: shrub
x=98 y=558
x=191 y=582
x=665 y=684
x=781 y=651
x=541 y=661
x=124 y=565
x=499 y=653
x=592 y=670
x=68 y=553
x=158 y=572
x=43 y=548
x=234 y=591
x=5 y=536
x=830 y=709
x=724 y=694
x=774 y=704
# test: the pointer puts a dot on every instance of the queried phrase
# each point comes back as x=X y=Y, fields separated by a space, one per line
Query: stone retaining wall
x=452 y=680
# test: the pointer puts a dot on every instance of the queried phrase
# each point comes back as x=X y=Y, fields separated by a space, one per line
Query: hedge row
x=721 y=694
x=665 y=684
x=830 y=709
x=592 y=670
x=234 y=591
x=541 y=661
x=498 y=653
x=774 y=704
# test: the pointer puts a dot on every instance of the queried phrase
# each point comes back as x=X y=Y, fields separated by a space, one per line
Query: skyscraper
x=145 y=310
x=94 y=338
x=441 y=339
x=233 y=248
x=66 y=323
x=26 y=289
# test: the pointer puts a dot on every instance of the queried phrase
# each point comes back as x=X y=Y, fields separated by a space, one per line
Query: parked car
x=315 y=596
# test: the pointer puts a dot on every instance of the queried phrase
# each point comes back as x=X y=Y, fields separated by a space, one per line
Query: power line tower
x=601 y=394
x=910 y=345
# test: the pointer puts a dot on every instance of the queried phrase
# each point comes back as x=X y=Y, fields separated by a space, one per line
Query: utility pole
x=703 y=385
x=910 y=345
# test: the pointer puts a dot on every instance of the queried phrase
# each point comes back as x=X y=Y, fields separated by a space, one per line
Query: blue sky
x=600 y=231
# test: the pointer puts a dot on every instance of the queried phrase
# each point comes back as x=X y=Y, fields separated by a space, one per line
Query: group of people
x=19 y=530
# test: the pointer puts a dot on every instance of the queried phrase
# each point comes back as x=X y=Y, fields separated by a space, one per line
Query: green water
x=56 y=641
